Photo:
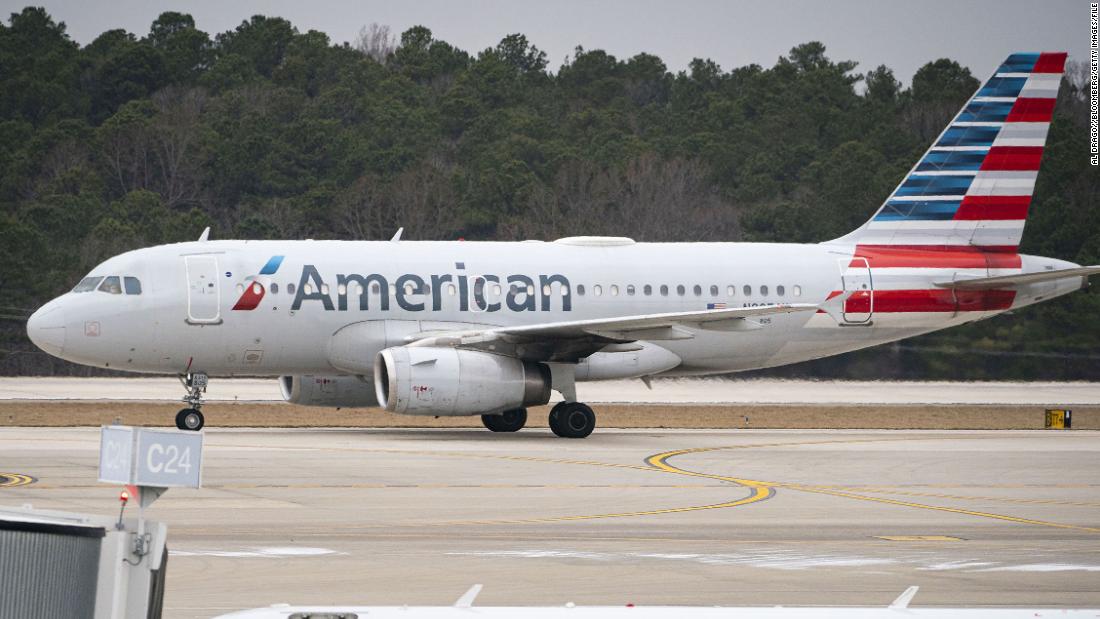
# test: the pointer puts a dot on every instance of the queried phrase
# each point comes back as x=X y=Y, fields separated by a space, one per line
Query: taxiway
x=698 y=517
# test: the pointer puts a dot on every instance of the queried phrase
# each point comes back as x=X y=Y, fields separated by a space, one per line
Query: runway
x=703 y=517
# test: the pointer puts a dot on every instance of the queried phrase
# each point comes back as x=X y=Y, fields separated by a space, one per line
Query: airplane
x=464 y=607
x=491 y=328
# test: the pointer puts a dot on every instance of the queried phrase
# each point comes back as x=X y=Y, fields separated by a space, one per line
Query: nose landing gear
x=191 y=417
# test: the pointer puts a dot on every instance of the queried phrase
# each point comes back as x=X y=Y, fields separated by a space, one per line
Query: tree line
x=267 y=132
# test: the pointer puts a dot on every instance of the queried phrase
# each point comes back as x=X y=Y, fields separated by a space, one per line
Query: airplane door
x=856 y=276
x=203 y=292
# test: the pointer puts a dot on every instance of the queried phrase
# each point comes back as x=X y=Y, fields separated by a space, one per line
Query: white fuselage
x=185 y=319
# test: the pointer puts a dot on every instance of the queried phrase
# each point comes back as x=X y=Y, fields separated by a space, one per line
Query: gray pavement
x=642 y=516
x=707 y=390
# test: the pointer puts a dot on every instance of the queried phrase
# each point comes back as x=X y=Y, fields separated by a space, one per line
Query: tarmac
x=708 y=390
x=693 y=517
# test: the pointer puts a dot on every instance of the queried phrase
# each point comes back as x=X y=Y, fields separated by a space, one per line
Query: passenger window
x=495 y=290
x=531 y=290
x=664 y=290
x=713 y=290
x=409 y=289
x=680 y=290
x=290 y=288
x=257 y=288
x=763 y=291
x=630 y=290
x=780 y=290
x=450 y=290
x=580 y=289
x=648 y=290
x=698 y=290
x=797 y=290
x=731 y=290
x=597 y=290
x=111 y=285
x=275 y=288
x=240 y=288
x=324 y=289
x=341 y=289
x=747 y=290
x=614 y=290
x=133 y=286
x=307 y=289
x=86 y=284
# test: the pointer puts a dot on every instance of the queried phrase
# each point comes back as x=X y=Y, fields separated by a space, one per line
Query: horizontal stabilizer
x=986 y=283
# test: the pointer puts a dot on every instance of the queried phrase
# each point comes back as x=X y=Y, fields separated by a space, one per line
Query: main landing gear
x=191 y=417
x=508 y=421
x=572 y=420
x=567 y=420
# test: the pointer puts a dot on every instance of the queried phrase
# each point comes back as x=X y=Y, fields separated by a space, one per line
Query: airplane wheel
x=572 y=420
x=508 y=421
x=190 y=419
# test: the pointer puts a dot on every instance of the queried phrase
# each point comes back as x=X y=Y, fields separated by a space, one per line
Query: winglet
x=397 y=235
x=467 y=599
x=205 y=235
x=902 y=601
x=835 y=306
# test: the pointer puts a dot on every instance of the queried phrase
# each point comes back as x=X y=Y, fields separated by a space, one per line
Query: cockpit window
x=111 y=284
x=133 y=285
x=86 y=284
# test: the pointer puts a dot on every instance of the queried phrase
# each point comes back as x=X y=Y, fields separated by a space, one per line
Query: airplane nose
x=46 y=328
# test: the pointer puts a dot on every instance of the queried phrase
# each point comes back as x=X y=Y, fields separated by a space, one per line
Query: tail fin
x=973 y=187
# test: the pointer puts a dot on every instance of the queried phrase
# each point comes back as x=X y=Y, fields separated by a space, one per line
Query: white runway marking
x=779 y=560
x=265 y=553
x=788 y=560
x=1044 y=567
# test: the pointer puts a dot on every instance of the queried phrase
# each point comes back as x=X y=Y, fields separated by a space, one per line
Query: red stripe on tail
x=937 y=256
x=1027 y=110
x=1013 y=158
x=909 y=301
x=996 y=208
x=1050 y=62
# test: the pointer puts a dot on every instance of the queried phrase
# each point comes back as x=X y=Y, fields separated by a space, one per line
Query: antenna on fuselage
x=205 y=235
x=397 y=235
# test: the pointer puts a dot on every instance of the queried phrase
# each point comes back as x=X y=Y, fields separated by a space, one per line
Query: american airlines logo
x=413 y=293
x=254 y=291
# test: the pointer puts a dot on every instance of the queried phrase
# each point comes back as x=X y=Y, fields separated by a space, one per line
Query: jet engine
x=449 y=381
x=335 y=391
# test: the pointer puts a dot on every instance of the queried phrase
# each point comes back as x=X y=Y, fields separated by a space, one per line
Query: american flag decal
x=716 y=306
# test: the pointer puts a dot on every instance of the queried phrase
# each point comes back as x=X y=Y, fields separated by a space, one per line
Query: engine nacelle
x=334 y=391
x=449 y=381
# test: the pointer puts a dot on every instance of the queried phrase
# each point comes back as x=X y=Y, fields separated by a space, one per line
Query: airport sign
x=150 y=458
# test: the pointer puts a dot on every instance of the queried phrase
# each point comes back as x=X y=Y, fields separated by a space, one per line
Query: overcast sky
x=901 y=35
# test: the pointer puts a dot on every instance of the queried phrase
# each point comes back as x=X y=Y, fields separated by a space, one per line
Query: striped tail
x=971 y=190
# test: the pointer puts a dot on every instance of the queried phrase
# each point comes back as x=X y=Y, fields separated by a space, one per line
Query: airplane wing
x=985 y=283
x=575 y=339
